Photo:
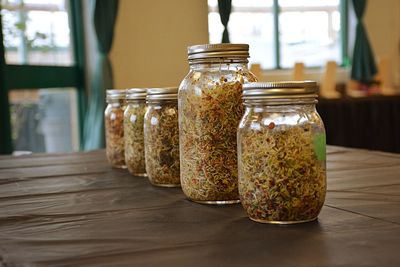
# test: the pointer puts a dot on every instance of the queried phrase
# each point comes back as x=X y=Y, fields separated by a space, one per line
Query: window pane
x=309 y=32
x=256 y=30
x=215 y=28
x=236 y=4
x=308 y=3
x=36 y=32
x=250 y=22
x=44 y=120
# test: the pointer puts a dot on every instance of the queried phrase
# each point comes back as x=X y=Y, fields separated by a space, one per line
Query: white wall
x=151 y=39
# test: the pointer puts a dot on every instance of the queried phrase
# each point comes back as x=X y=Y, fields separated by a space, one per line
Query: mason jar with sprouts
x=210 y=108
x=161 y=137
x=281 y=153
x=133 y=131
x=114 y=127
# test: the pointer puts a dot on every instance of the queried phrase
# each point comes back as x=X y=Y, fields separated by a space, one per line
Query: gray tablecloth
x=75 y=210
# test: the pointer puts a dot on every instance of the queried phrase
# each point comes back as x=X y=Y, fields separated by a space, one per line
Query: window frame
x=31 y=77
x=276 y=10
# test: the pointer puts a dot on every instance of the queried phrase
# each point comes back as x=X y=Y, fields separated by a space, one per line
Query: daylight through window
x=308 y=30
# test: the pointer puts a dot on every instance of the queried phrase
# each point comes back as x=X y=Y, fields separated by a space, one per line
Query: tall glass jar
x=210 y=108
x=133 y=131
x=281 y=153
x=161 y=137
x=114 y=126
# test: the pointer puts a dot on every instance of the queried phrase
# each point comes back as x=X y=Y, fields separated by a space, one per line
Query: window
x=44 y=120
x=36 y=32
x=283 y=32
x=41 y=75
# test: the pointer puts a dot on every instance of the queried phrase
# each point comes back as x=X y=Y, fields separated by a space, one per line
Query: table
x=368 y=122
x=75 y=210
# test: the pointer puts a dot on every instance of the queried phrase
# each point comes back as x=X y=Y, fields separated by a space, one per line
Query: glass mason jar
x=114 y=126
x=281 y=153
x=161 y=137
x=133 y=131
x=210 y=108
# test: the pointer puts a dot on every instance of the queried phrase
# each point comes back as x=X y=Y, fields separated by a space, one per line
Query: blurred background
x=60 y=55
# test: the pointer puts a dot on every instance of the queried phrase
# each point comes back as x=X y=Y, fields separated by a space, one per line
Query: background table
x=368 y=122
x=74 y=210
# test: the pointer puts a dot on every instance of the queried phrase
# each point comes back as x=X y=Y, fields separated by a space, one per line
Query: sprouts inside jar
x=114 y=126
x=134 y=137
x=282 y=174
x=210 y=111
x=162 y=144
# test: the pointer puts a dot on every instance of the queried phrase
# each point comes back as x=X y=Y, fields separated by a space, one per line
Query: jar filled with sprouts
x=161 y=137
x=114 y=127
x=210 y=108
x=133 y=131
x=281 y=153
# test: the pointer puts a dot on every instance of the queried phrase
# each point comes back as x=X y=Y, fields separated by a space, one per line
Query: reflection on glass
x=36 y=32
x=44 y=120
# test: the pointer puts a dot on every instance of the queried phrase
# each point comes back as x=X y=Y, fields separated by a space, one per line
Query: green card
x=320 y=146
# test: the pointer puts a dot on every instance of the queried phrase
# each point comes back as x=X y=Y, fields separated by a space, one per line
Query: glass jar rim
x=280 y=93
x=277 y=90
x=208 y=51
x=115 y=94
x=218 y=61
x=136 y=93
x=162 y=93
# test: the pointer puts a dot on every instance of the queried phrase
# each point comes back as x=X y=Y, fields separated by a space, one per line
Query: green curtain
x=224 y=7
x=363 y=65
x=104 y=17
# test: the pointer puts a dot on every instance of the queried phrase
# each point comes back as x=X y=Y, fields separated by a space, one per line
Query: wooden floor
x=74 y=210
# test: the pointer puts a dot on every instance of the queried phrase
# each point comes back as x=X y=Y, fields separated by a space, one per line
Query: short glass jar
x=210 y=108
x=114 y=127
x=161 y=137
x=133 y=131
x=281 y=153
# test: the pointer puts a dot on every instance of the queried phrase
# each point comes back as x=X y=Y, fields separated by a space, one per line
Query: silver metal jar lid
x=136 y=93
x=280 y=90
x=218 y=51
x=115 y=94
x=165 y=93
